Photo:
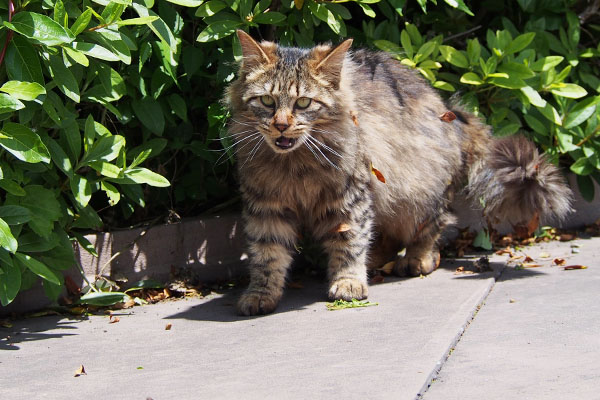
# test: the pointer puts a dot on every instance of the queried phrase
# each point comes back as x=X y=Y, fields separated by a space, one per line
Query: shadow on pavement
x=32 y=329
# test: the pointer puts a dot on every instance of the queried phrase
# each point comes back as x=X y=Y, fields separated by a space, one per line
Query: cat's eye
x=267 y=100
x=303 y=102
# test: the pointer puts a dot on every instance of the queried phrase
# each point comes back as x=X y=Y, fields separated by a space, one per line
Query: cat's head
x=288 y=93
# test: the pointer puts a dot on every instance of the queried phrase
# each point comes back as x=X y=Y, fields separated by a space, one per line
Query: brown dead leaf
x=168 y=326
x=377 y=279
x=527 y=259
x=387 y=268
x=532 y=265
x=570 y=267
x=377 y=174
x=508 y=250
x=80 y=371
x=113 y=319
x=566 y=237
x=295 y=285
x=354 y=117
x=343 y=228
x=72 y=288
x=559 y=261
x=448 y=116
x=460 y=269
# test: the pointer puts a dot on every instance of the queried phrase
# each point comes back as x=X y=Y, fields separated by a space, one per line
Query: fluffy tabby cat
x=310 y=125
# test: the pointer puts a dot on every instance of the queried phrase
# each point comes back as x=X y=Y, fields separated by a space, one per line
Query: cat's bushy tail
x=515 y=183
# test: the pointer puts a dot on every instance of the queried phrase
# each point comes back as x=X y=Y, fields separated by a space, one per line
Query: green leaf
x=113 y=41
x=471 y=78
x=40 y=27
x=581 y=112
x=569 y=90
x=459 y=4
x=150 y=114
x=536 y=125
x=14 y=215
x=218 y=30
x=111 y=192
x=443 y=86
x=64 y=78
x=406 y=44
x=271 y=17
x=106 y=148
x=508 y=83
x=583 y=166
x=23 y=62
x=81 y=189
x=38 y=268
x=44 y=207
x=483 y=241
x=343 y=304
x=106 y=169
x=12 y=187
x=10 y=280
x=23 y=143
x=27 y=91
x=186 y=3
x=210 y=8
x=86 y=244
x=159 y=27
x=178 y=105
x=520 y=42
x=507 y=129
x=9 y=104
x=145 y=284
x=76 y=56
x=545 y=63
x=103 y=298
x=516 y=70
x=533 y=96
x=454 y=57
x=33 y=243
x=550 y=113
x=96 y=51
x=424 y=51
x=7 y=240
x=81 y=22
x=144 y=175
x=138 y=21
x=367 y=10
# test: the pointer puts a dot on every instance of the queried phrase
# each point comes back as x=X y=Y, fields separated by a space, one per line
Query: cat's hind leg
x=422 y=253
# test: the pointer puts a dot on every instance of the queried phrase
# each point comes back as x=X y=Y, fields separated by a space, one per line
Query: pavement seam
x=456 y=339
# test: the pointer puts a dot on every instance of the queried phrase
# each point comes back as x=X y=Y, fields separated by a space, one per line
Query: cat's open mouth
x=285 y=143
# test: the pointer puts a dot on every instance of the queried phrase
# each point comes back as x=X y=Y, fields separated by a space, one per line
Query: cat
x=361 y=152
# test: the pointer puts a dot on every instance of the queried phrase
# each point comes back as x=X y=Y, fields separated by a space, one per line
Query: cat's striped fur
x=311 y=124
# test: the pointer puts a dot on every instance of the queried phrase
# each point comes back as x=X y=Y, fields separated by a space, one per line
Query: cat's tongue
x=284 y=142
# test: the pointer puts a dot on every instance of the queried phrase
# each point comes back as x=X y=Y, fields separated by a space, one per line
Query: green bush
x=95 y=95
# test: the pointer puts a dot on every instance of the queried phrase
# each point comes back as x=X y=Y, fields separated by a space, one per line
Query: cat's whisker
x=310 y=139
x=223 y=137
x=243 y=123
x=309 y=147
x=327 y=147
x=254 y=151
x=251 y=138
x=227 y=148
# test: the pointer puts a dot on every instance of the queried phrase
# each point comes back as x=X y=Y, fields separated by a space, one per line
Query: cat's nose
x=281 y=126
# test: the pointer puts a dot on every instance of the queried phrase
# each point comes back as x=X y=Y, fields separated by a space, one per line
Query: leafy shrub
x=94 y=95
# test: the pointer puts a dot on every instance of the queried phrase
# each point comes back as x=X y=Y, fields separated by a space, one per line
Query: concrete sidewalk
x=534 y=333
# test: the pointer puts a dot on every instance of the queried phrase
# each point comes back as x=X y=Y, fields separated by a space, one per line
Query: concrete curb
x=211 y=249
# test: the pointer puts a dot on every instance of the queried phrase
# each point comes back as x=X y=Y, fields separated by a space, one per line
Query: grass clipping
x=342 y=304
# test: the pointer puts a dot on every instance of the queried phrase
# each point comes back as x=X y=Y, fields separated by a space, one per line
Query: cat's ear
x=327 y=62
x=255 y=54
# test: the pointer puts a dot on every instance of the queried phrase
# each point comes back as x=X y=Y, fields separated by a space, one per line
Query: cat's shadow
x=222 y=308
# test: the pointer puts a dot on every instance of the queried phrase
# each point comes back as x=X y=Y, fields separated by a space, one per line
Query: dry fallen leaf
x=508 y=250
x=113 y=319
x=343 y=228
x=528 y=259
x=354 y=117
x=377 y=174
x=532 y=265
x=569 y=267
x=559 y=261
x=448 y=116
x=377 y=279
x=460 y=269
x=512 y=301
x=80 y=371
x=168 y=326
x=387 y=268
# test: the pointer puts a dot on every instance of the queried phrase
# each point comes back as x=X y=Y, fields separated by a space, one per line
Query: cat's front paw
x=255 y=303
x=348 y=289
